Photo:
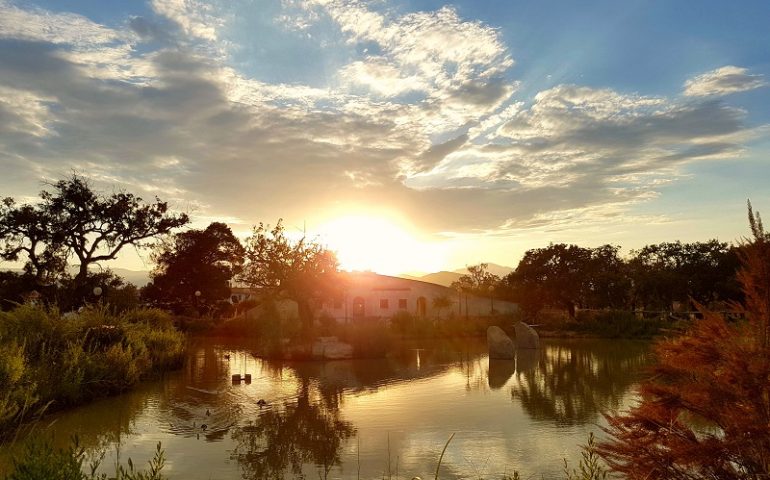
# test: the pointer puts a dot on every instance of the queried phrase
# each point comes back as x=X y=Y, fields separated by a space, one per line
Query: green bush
x=53 y=360
x=615 y=324
x=402 y=322
x=369 y=337
x=41 y=461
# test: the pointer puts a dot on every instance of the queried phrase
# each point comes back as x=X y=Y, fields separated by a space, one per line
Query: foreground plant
x=706 y=412
x=50 y=361
x=41 y=461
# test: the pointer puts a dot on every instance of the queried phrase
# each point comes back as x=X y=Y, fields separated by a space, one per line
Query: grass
x=41 y=461
x=49 y=360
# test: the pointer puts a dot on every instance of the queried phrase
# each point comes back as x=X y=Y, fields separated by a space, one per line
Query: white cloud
x=382 y=77
x=422 y=122
x=24 y=113
x=723 y=81
x=195 y=18
x=36 y=24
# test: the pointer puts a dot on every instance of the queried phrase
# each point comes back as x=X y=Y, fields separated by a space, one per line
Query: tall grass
x=41 y=461
x=49 y=360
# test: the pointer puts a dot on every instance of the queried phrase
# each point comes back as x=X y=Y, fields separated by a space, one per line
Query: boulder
x=526 y=336
x=330 y=348
x=500 y=345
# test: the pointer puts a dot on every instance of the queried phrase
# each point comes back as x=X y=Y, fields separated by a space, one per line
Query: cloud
x=382 y=77
x=195 y=18
x=457 y=66
x=69 y=29
x=723 y=81
x=421 y=121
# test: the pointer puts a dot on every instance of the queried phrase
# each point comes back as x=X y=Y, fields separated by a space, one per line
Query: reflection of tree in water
x=286 y=437
x=571 y=384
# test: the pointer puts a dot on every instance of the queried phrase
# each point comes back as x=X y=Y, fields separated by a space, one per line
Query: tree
x=674 y=271
x=75 y=221
x=195 y=261
x=554 y=275
x=26 y=231
x=705 y=413
x=302 y=270
x=478 y=280
x=441 y=302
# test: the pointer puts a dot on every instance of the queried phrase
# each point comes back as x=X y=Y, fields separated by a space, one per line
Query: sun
x=378 y=244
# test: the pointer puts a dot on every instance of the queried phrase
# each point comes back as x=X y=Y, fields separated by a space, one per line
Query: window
x=384 y=303
x=402 y=303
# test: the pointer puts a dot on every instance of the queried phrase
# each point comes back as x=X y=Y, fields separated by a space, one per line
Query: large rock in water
x=332 y=349
x=500 y=345
x=526 y=336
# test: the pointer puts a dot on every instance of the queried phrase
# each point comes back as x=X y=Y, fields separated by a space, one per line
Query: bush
x=402 y=322
x=41 y=461
x=369 y=337
x=615 y=324
x=49 y=359
x=704 y=412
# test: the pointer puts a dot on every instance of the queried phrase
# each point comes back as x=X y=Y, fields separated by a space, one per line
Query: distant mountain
x=446 y=278
x=493 y=268
x=139 y=278
x=440 y=278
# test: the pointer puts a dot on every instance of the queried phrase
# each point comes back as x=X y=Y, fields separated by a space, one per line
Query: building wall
x=384 y=296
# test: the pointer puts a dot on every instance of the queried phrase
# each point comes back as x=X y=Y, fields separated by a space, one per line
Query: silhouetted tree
x=302 y=270
x=705 y=413
x=74 y=221
x=555 y=275
x=195 y=260
x=673 y=271
x=478 y=280
x=441 y=302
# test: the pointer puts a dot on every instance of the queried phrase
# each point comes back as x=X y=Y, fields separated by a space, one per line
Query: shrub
x=49 y=359
x=41 y=461
x=616 y=324
x=402 y=322
x=704 y=413
x=369 y=337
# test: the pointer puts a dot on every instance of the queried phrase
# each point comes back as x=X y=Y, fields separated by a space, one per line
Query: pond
x=385 y=418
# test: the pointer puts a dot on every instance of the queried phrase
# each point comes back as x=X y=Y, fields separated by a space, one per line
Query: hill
x=139 y=278
x=493 y=268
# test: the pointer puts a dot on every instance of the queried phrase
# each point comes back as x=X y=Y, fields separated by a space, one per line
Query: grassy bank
x=371 y=337
x=601 y=324
x=49 y=360
x=41 y=461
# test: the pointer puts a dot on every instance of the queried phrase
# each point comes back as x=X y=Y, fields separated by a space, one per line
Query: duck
x=208 y=412
x=204 y=427
x=261 y=402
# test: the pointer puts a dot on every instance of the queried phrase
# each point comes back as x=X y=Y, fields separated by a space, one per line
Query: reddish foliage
x=705 y=413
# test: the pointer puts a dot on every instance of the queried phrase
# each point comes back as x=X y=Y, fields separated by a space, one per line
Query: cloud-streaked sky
x=480 y=128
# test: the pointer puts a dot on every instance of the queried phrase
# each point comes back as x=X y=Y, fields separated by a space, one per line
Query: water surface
x=366 y=418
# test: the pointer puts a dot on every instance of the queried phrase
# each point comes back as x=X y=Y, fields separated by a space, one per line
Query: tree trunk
x=82 y=276
x=305 y=315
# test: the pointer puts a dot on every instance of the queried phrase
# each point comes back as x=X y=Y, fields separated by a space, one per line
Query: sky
x=410 y=136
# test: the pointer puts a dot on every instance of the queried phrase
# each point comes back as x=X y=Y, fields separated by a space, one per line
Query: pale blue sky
x=482 y=128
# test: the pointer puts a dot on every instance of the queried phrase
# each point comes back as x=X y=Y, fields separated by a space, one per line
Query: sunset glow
x=380 y=245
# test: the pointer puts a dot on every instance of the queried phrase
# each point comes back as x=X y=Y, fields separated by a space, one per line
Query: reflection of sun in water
x=380 y=245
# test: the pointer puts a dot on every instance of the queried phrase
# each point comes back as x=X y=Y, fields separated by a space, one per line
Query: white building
x=370 y=295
